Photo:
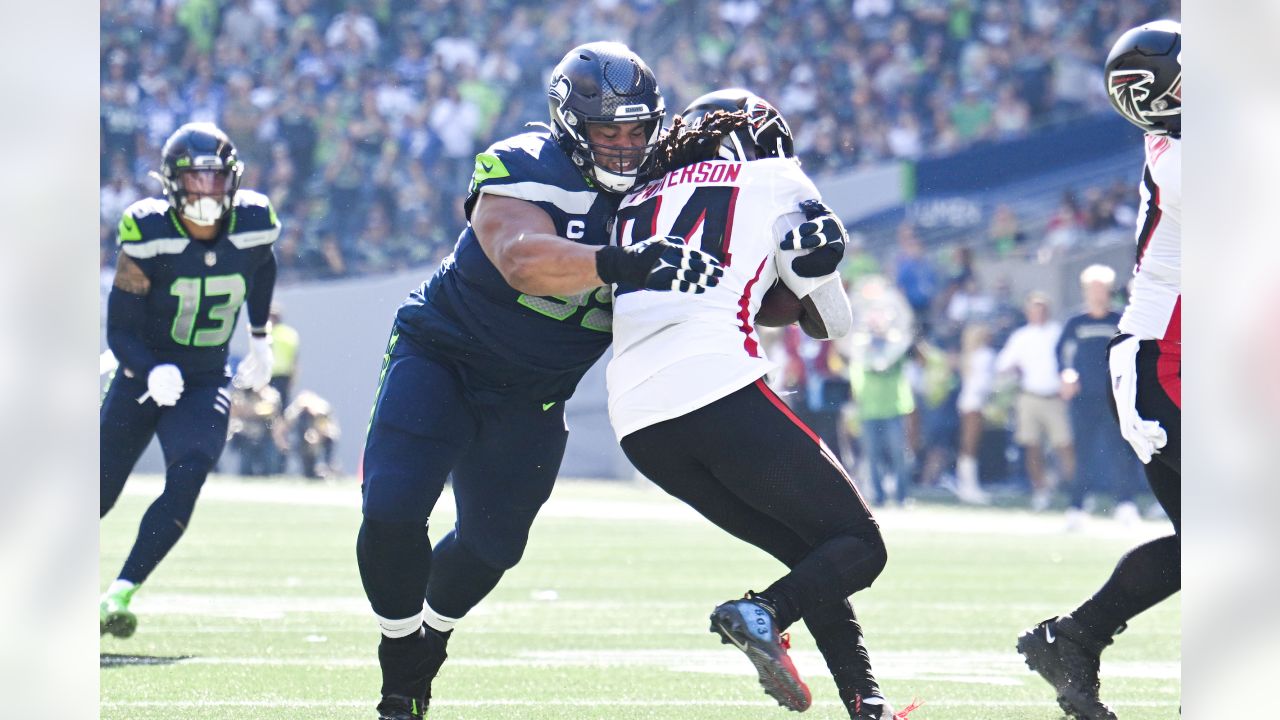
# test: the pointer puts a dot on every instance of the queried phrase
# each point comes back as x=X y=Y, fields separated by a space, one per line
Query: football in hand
x=779 y=308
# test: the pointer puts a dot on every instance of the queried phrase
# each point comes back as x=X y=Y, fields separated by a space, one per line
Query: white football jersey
x=675 y=352
x=1155 y=306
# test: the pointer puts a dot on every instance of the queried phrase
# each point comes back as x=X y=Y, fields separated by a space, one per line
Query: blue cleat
x=749 y=626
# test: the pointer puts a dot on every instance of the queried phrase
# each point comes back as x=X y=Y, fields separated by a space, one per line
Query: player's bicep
x=500 y=221
x=130 y=277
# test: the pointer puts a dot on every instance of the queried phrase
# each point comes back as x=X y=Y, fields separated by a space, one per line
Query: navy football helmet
x=765 y=135
x=605 y=83
x=200 y=172
x=1144 y=77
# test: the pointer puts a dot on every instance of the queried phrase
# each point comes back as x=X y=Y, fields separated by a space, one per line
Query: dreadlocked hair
x=686 y=144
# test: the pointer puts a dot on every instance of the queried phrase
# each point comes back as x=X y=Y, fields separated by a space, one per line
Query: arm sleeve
x=264 y=286
x=126 y=317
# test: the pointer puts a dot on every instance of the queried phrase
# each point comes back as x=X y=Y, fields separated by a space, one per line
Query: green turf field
x=259 y=613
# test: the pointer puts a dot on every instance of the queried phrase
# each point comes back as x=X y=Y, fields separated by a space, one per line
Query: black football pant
x=192 y=434
x=746 y=463
x=1152 y=571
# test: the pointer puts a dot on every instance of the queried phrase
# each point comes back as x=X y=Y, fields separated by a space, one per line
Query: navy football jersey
x=197 y=287
x=1082 y=347
x=509 y=341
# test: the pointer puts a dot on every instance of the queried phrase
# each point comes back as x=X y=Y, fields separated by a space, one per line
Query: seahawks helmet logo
x=560 y=88
x=1129 y=89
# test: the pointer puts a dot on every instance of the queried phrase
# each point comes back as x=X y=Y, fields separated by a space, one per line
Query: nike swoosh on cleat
x=725 y=632
x=1048 y=635
x=547 y=406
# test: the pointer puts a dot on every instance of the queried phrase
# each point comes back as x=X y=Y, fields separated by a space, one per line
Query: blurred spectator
x=883 y=398
x=820 y=387
x=861 y=82
x=1005 y=232
x=1103 y=460
x=314 y=433
x=254 y=431
x=916 y=277
x=977 y=378
x=284 y=345
x=1041 y=411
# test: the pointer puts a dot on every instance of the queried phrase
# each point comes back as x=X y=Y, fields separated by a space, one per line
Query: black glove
x=823 y=234
x=659 y=263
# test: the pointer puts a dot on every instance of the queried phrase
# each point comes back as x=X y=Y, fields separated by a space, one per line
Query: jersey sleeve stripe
x=254 y=238
x=1153 y=214
x=151 y=248
x=570 y=201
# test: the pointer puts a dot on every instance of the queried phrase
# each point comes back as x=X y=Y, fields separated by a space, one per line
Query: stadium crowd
x=361 y=119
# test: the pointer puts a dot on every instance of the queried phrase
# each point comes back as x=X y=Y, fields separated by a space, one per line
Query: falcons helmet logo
x=1129 y=89
x=762 y=115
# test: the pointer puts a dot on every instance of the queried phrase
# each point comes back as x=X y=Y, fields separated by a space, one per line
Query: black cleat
x=409 y=665
x=1067 y=658
x=399 y=707
x=747 y=625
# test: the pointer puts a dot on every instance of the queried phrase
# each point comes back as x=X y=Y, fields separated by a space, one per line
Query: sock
x=827 y=576
x=436 y=621
x=839 y=638
x=399 y=629
x=1148 y=574
x=120 y=585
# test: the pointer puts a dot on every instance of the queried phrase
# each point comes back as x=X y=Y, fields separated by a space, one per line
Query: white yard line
x=1001 y=669
x=602 y=703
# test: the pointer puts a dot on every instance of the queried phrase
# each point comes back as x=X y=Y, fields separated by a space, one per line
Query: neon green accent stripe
x=231 y=226
x=183 y=162
x=382 y=376
x=128 y=230
x=177 y=225
x=488 y=167
x=271 y=213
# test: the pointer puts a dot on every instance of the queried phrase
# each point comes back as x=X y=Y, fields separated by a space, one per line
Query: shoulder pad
x=147 y=229
x=254 y=222
x=532 y=167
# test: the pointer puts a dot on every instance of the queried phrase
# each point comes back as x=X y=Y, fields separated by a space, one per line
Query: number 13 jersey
x=674 y=352
x=197 y=287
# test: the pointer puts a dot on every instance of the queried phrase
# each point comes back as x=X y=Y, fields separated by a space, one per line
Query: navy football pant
x=747 y=464
x=504 y=460
x=192 y=434
x=1152 y=571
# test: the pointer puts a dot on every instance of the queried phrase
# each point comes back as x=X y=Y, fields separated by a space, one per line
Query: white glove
x=164 y=384
x=1145 y=436
x=254 y=372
